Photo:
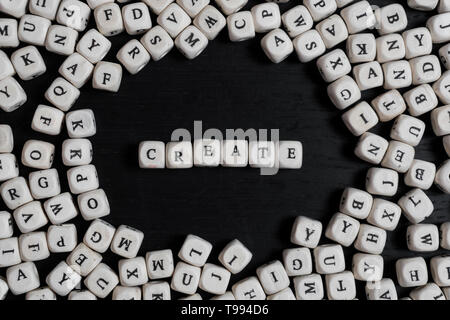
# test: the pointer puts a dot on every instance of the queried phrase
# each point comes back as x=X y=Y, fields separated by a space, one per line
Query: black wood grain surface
x=230 y=85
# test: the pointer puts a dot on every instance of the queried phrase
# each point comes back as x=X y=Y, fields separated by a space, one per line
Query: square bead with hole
x=12 y=95
x=266 y=17
x=382 y=181
x=358 y=17
x=47 y=120
x=6 y=225
x=235 y=256
x=74 y=14
x=22 y=278
x=240 y=26
x=370 y=239
x=442 y=87
x=333 y=65
x=440 y=120
x=399 y=156
x=41 y=294
x=440 y=270
x=61 y=40
x=214 y=279
x=195 y=250
x=261 y=154
x=444 y=55
x=397 y=74
x=425 y=69
x=76 y=69
x=7 y=69
x=156 y=290
x=133 y=56
x=46 y=9
x=152 y=155
x=273 y=277
x=306 y=232
x=93 y=46
x=82 y=179
x=442 y=179
x=418 y=42
x=438 y=26
x=62 y=238
x=430 y=291
x=329 y=258
x=107 y=76
x=234 y=153
x=127 y=241
x=342 y=229
x=320 y=9
x=309 y=46
x=8 y=166
x=28 y=63
x=108 y=18
x=9 y=252
x=391 y=18
x=207 y=152
x=191 y=42
x=179 y=155
x=420 y=100
x=360 y=118
x=421 y=174
x=6 y=139
x=14 y=8
x=416 y=205
x=185 y=278
x=76 y=152
x=356 y=203
x=44 y=184
x=83 y=259
x=408 y=130
x=38 y=154
x=289 y=155
x=136 y=17
x=277 y=45
x=371 y=148
x=341 y=286
x=81 y=123
x=229 y=7
x=248 y=289
x=93 y=204
x=368 y=267
x=193 y=8
x=99 y=235
x=297 y=20
x=368 y=75
x=332 y=30
x=390 y=47
x=33 y=29
x=285 y=294
x=62 y=94
x=297 y=261
x=133 y=272
x=309 y=287
x=60 y=208
x=157 y=42
x=381 y=290
x=159 y=264
x=157 y=6
x=8 y=37
x=411 y=272
x=101 y=281
x=127 y=293
x=82 y=295
x=361 y=47
x=422 y=237
x=15 y=192
x=174 y=19
x=63 y=279
x=344 y=92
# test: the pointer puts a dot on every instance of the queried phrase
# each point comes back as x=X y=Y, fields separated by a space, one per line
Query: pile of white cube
x=398 y=60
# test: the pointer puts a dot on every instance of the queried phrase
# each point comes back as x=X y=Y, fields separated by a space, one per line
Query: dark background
x=230 y=85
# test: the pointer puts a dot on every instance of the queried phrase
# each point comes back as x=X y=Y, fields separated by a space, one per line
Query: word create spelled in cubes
x=228 y=153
